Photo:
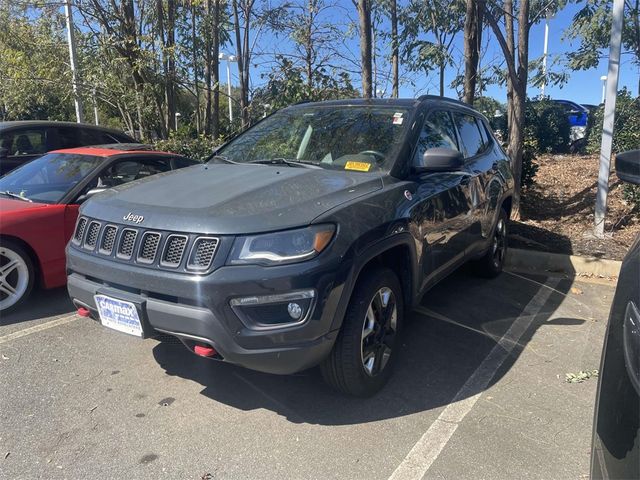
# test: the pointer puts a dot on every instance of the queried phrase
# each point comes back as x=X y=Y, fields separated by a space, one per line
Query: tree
x=430 y=29
x=364 y=27
x=473 y=25
x=242 y=14
x=592 y=25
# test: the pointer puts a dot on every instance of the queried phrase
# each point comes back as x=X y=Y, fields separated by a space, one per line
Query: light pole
x=71 y=39
x=266 y=106
x=177 y=116
x=603 y=79
x=229 y=59
x=544 y=54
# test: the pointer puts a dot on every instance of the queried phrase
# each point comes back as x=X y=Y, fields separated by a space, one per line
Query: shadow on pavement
x=465 y=318
x=41 y=304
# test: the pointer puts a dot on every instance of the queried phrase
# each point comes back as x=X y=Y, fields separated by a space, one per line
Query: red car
x=39 y=206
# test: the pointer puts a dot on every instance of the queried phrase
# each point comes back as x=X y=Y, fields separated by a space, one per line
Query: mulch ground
x=557 y=213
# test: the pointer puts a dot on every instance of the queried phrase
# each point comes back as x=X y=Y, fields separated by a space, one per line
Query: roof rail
x=445 y=99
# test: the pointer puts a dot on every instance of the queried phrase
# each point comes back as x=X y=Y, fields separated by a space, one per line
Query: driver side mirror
x=628 y=166
x=440 y=160
x=4 y=152
x=91 y=193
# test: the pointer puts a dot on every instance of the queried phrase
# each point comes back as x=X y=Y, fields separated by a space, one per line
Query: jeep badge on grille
x=130 y=217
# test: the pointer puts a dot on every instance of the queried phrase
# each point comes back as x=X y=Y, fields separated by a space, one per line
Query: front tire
x=365 y=351
x=16 y=275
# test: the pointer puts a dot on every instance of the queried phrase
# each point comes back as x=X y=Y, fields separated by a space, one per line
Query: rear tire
x=16 y=275
x=365 y=351
x=492 y=263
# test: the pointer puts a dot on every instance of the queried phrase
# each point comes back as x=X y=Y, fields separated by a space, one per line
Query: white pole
x=544 y=55
x=609 y=114
x=604 y=85
x=95 y=107
x=229 y=89
x=71 y=39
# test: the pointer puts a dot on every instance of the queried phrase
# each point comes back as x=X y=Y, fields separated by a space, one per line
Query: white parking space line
x=430 y=445
x=38 y=328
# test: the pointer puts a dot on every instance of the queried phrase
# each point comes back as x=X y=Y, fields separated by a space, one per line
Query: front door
x=443 y=202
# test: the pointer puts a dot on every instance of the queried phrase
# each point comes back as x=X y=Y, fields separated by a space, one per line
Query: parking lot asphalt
x=479 y=391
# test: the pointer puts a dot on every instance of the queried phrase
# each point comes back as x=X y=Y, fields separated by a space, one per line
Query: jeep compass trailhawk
x=304 y=240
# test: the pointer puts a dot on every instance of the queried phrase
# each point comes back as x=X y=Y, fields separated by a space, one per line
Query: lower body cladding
x=271 y=319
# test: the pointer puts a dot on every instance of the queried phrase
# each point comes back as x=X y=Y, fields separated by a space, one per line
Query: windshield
x=49 y=178
x=359 y=138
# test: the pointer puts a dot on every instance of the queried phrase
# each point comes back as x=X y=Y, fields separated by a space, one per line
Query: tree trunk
x=472 y=42
x=194 y=57
x=207 y=68
x=442 y=67
x=215 y=61
x=364 y=16
x=171 y=66
x=395 y=83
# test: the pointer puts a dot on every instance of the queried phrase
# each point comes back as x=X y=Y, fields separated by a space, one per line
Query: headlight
x=280 y=248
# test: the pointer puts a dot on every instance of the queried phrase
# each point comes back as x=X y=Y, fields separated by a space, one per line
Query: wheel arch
x=396 y=253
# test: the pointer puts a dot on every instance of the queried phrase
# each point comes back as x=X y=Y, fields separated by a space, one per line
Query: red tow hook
x=84 y=312
x=204 y=351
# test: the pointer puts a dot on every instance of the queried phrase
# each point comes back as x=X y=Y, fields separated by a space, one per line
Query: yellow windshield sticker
x=359 y=166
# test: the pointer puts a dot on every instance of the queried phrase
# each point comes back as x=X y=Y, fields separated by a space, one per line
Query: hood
x=8 y=205
x=231 y=199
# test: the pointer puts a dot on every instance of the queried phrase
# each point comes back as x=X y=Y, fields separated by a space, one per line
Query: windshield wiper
x=16 y=196
x=284 y=161
x=220 y=157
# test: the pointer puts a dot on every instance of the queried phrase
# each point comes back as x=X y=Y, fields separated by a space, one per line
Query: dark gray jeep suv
x=302 y=241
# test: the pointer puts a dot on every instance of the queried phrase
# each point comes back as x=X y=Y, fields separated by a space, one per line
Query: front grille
x=91 y=239
x=127 y=242
x=202 y=253
x=149 y=247
x=79 y=233
x=108 y=239
x=146 y=248
x=173 y=250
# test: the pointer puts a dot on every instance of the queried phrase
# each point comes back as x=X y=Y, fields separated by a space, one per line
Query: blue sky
x=582 y=86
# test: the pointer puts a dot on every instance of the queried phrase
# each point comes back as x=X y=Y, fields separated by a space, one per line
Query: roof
x=399 y=102
x=112 y=150
x=51 y=123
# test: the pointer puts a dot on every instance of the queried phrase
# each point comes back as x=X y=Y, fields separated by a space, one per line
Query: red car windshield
x=49 y=178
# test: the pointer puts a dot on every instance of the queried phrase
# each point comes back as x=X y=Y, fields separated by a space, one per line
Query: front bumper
x=197 y=308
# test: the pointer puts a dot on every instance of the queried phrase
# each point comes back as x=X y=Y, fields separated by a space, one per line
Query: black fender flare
x=364 y=258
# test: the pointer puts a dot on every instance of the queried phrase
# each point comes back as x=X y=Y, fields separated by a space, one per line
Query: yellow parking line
x=38 y=328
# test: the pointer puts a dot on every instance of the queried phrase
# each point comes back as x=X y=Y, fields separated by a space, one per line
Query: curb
x=531 y=260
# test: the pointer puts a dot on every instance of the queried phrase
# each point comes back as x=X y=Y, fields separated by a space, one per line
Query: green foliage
x=547 y=123
x=592 y=25
x=529 y=165
x=287 y=85
x=34 y=83
x=626 y=134
x=197 y=148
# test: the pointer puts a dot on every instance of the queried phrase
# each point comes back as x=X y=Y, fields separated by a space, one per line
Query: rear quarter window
x=472 y=139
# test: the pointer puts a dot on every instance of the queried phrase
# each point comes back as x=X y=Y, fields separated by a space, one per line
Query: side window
x=27 y=142
x=470 y=136
x=438 y=132
x=92 y=137
x=69 y=137
x=124 y=171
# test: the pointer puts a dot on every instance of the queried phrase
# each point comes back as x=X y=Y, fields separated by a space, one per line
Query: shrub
x=548 y=124
x=197 y=148
x=626 y=134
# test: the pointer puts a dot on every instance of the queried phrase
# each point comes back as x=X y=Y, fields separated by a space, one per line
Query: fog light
x=295 y=311
x=271 y=311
